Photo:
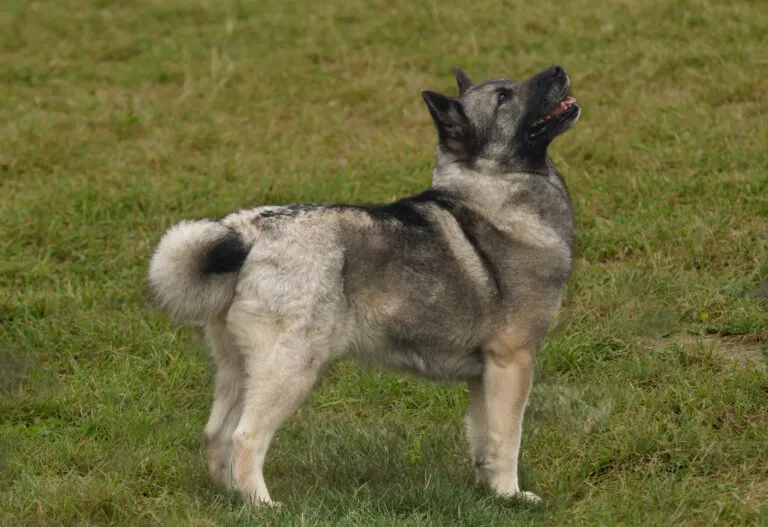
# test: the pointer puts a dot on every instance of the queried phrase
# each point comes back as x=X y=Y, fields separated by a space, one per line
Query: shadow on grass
x=365 y=471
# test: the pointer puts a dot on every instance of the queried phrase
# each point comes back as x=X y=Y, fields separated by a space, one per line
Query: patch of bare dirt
x=745 y=350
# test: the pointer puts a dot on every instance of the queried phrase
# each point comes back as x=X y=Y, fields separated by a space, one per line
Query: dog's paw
x=266 y=504
x=526 y=496
x=261 y=502
x=520 y=495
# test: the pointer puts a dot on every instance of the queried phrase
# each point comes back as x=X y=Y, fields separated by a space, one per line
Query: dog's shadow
x=391 y=469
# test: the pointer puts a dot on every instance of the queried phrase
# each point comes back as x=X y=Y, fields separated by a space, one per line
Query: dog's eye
x=501 y=97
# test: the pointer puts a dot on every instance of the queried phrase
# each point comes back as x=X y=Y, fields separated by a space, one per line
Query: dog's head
x=501 y=121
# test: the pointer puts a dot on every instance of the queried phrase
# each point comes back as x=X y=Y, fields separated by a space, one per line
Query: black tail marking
x=227 y=255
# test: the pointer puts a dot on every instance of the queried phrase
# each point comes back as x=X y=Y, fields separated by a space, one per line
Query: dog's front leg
x=508 y=377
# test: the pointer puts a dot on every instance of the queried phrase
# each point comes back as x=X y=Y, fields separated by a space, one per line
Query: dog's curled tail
x=193 y=272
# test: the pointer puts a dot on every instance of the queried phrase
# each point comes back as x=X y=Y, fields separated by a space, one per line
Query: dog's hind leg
x=477 y=426
x=279 y=380
x=227 y=404
x=508 y=377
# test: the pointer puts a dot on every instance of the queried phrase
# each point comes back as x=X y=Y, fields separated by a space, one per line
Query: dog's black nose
x=557 y=71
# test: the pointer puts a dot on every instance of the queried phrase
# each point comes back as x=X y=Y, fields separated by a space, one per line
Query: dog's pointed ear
x=453 y=127
x=462 y=80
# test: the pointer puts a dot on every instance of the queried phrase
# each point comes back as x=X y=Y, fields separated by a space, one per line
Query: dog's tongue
x=563 y=106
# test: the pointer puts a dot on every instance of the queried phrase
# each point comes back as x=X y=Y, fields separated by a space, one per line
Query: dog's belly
x=437 y=366
x=436 y=360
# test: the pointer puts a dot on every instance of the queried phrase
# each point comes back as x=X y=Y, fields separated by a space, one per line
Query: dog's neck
x=502 y=195
x=492 y=181
x=450 y=170
x=469 y=183
x=448 y=163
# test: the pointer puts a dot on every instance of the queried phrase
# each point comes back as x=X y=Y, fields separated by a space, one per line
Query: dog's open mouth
x=561 y=112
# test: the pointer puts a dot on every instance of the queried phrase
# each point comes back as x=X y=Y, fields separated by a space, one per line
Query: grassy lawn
x=119 y=118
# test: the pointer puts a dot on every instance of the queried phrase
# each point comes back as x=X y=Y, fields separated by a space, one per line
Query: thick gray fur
x=459 y=282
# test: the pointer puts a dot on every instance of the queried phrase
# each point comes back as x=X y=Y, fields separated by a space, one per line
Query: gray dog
x=460 y=282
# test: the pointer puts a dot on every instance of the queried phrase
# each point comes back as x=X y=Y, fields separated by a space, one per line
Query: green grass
x=118 y=119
